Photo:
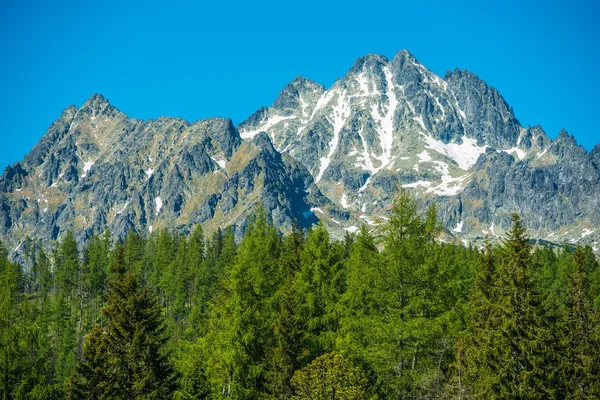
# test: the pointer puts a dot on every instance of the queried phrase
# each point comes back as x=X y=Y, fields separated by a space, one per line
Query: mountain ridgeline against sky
x=338 y=155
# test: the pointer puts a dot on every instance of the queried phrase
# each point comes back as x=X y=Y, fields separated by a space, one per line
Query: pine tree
x=90 y=381
x=518 y=359
x=241 y=321
x=137 y=367
x=580 y=362
x=10 y=326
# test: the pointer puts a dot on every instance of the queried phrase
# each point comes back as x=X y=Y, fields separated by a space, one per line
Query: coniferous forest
x=390 y=312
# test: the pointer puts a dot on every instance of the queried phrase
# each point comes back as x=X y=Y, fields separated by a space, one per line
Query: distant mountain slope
x=337 y=154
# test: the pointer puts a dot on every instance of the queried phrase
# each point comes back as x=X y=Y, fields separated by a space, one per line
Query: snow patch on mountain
x=323 y=101
x=123 y=209
x=86 y=167
x=519 y=153
x=340 y=113
x=265 y=125
x=449 y=186
x=424 y=156
x=220 y=162
x=158 y=203
x=419 y=119
x=465 y=155
x=344 y=201
x=352 y=229
x=586 y=232
x=458 y=227
x=417 y=184
x=385 y=122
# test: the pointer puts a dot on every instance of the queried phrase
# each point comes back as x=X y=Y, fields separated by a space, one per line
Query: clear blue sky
x=153 y=58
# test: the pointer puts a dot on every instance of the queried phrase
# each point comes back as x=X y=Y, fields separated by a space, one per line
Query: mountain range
x=337 y=154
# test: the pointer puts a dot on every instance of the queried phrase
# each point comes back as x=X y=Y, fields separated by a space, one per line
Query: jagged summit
x=334 y=154
x=96 y=100
x=368 y=62
x=389 y=123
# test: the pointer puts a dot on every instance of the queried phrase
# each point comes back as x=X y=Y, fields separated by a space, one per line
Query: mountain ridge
x=333 y=154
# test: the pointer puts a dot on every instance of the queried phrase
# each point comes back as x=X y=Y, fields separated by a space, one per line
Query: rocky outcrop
x=96 y=169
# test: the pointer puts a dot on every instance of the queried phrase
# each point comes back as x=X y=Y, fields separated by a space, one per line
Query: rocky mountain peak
x=295 y=94
x=595 y=156
x=489 y=118
x=225 y=134
x=263 y=142
x=404 y=55
x=564 y=139
x=368 y=63
x=563 y=134
x=565 y=145
x=96 y=101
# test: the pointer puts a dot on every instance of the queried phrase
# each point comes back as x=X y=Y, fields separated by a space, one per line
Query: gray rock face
x=96 y=168
x=488 y=117
x=338 y=154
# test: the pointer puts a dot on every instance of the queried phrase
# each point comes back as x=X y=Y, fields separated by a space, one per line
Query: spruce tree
x=483 y=333
x=286 y=354
x=10 y=326
x=241 y=321
x=89 y=381
x=137 y=366
x=68 y=268
x=518 y=358
x=580 y=362
x=319 y=284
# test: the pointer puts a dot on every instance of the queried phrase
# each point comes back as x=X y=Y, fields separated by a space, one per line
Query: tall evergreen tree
x=137 y=366
x=10 y=326
x=519 y=360
x=483 y=333
x=581 y=344
x=319 y=284
x=90 y=380
x=242 y=319
x=68 y=268
x=285 y=356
